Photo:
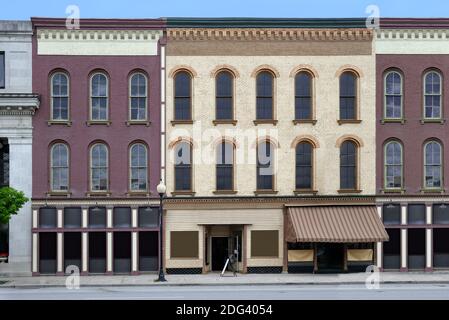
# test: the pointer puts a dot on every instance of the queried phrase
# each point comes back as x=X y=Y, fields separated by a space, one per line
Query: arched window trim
x=52 y=117
x=231 y=165
x=312 y=97
x=273 y=96
x=312 y=167
x=52 y=167
x=357 y=166
x=441 y=169
x=175 y=146
x=91 y=167
x=130 y=96
x=131 y=167
x=91 y=96
x=175 y=74
x=273 y=165
x=440 y=94
x=388 y=72
x=401 y=164
x=233 y=77
x=355 y=119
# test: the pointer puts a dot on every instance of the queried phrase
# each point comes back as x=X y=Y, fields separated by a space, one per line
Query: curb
x=90 y=285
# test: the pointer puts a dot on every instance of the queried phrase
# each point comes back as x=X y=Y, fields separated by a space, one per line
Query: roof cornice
x=246 y=34
x=174 y=22
x=98 y=24
x=414 y=23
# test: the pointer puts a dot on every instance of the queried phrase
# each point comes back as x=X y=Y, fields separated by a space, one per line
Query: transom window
x=224 y=95
x=393 y=165
x=138 y=97
x=393 y=95
x=138 y=167
x=265 y=163
x=303 y=96
x=348 y=96
x=59 y=167
x=432 y=95
x=59 y=96
x=183 y=96
x=304 y=165
x=99 y=97
x=432 y=165
x=225 y=166
x=264 y=99
x=183 y=167
x=99 y=175
x=348 y=165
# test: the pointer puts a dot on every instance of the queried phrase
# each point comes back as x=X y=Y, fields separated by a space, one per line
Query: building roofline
x=98 y=24
x=178 y=22
x=414 y=23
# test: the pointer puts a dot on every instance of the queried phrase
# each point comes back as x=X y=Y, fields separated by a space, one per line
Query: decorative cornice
x=93 y=202
x=98 y=35
x=289 y=34
x=412 y=34
x=123 y=24
x=415 y=23
x=18 y=103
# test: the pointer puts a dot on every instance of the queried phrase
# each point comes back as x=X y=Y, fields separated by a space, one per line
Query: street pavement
x=234 y=292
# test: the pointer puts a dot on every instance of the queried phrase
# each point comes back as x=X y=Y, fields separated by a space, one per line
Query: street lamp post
x=161 y=189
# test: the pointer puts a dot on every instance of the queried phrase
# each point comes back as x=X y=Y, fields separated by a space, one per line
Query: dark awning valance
x=343 y=224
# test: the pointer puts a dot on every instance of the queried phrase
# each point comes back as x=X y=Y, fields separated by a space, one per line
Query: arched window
x=303 y=96
x=393 y=165
x=265 y=166
x=224 y=91
x=348 y=165
x=432 y=95
x=59 y=167
x=59 y=97
x=304 y=172
x=348 y=96
x=183 y=167
x=138 y=97
x=432 y=165
x=99 y=165
x=393 y=95
x=264 y=95
x=183 y=96
x=225 y=166
x=138 y=167
x=99 y=97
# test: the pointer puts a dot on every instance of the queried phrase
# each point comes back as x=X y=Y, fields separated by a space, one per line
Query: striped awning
x=341 y=224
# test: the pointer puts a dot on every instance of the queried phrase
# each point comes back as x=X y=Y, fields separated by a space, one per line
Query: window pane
x=265 y=166
x=348 y=167
x=391 y=214
x=224 y=83
x=347 y=95
x=183 y=169
x=416 y=214
x=264 y=101
x=264 y=108
x=182 y=84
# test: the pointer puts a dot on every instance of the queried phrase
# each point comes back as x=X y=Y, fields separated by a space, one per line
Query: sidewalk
x=228 y=279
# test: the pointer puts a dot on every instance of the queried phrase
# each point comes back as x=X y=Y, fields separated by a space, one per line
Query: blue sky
x=23 y=9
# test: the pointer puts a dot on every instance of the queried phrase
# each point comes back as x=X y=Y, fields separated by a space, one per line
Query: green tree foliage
x=11 y=200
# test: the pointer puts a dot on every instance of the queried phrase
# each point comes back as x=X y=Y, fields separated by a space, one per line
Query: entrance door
x=219 y=252
x=330 y=257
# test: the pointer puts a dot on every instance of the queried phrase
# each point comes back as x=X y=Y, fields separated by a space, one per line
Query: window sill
x=183 y=193
x=395 y=190
x=349 y=191
x=138 y=194
x=175 y=122
x=305 y=191
x=401 y=121
x=259 y=192
x=434 y=190
x=94 y=122
x=224 y=192
x=348 y=121
x=299 y=121
x=56 y=122
x=137 y=123
x=439 y=121
x=66 y=194
x=216 y=122
x=266 y=121
x=98 y=194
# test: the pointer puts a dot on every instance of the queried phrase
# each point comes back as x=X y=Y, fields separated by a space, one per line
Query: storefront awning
x=341 y=224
